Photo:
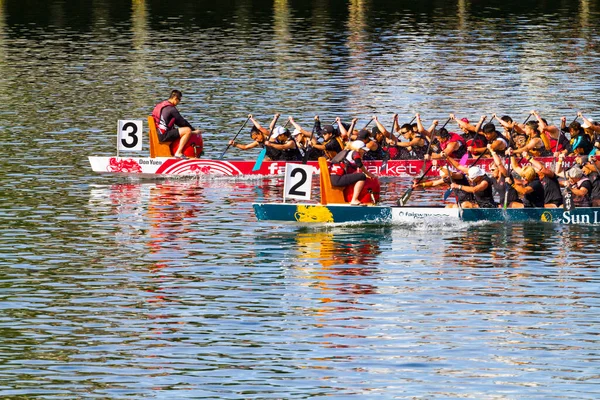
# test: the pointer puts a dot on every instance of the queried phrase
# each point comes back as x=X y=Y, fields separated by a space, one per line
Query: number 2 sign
x=297 y=183
x=129 y=135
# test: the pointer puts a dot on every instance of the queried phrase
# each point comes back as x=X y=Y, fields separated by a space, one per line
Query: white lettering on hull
x=573 y=218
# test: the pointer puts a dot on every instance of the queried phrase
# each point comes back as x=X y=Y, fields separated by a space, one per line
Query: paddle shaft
x=235 y=137
x=309 y=146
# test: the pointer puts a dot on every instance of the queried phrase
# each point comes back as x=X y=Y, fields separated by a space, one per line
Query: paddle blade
x=423 y=167
x=404 y=199
x=384 y=162
x=568 y=200
x=260 y=159
x=463 y=159
x=447 y=193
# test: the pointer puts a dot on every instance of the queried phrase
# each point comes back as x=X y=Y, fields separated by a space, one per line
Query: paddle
x=568 y=196
x=506 y=186
x=263 y=152
x=235 y=137
x=463 y=161
x=431 y=141
x=309 y=146
x=404 y=198
x=368 y=123
x=386 y=153
x=560 y=133
x=410 y=123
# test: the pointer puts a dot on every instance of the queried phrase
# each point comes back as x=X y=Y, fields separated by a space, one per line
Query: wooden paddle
x=404 y=198
x=263 y=152
x=235 y=137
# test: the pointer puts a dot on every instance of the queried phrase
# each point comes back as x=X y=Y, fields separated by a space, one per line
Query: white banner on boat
x=129 y=135
x=297 y=183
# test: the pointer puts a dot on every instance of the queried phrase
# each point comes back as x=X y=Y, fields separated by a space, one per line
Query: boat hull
x=343 y=213
x=168 y=166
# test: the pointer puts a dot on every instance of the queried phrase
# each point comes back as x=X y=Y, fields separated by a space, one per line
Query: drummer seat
x=157 y=149
x=329 y=194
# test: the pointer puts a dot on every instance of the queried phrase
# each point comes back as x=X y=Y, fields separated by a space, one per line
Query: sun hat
x=296 y=132
x=279 y=130
x=475 y=172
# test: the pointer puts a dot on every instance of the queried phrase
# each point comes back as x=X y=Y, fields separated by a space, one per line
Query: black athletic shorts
x=169 y=136
x=348 y=179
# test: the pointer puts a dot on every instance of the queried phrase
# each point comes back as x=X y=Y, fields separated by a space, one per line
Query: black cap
x=363 y=134
x=327 y=129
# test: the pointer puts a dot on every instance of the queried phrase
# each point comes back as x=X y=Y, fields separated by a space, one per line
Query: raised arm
x=258 y=125
x=497 y=161
x=381 y=127
x=297 y=126
x=513 y=162
x=420 y=127
x=342 y=128
x=480 y=123
x=463 y=124
x=273 y=122
x=593 y=127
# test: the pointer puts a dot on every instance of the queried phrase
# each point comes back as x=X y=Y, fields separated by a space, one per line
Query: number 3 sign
x=298 y=181
x=129 y=135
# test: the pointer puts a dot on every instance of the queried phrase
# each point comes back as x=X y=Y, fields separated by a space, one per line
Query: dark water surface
x=114 y=288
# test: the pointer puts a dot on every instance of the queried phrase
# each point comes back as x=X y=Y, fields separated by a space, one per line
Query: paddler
x=447 y=176
x=552 y=195
x=534 y=146
x=452 y=146
x=259 y=136
x=281 y=140
x=167 y=117
x=332 y=143
x=581 y=187
x=480 y=185
x=351 y=170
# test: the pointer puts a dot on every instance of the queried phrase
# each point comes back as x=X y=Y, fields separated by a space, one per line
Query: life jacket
x=162 y=125
x=485 y=199
x=586 y=200
x=345 y=162
x=292 y=154
x=561 y=141
x=462 y=145
x=330 y=153
x=539 y=151
x=476 y=140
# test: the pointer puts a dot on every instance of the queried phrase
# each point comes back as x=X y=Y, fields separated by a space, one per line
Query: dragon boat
x=334 y=208
x=161 y=163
